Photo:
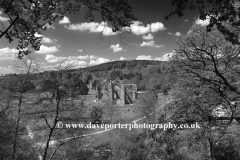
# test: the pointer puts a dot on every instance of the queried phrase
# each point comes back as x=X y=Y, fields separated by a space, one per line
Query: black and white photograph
x=119 y=80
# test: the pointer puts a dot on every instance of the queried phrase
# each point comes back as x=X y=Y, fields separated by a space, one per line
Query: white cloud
x=65 y=20
x=80 y=50
x=47 y=50
x=157 y=26
x=150 y=44
x=148 y=37
x=170 y=33
x=201 y=22
x=116 y=48
x=75 y=63
x=143 y=57
x=81 y=57
x=8 y=54
x=7 y=51
x=56 y=59
x=186 y=20
x=48 y=26
x=178 y=34
x=45 y=39
x=93 y=57
x=138 y=28
x=92 y=27
x=166 y=56
x=122 y=58
x=6 y=70
x=53 y=59
x=3 y=19
x=55 y=62
x=98 y=61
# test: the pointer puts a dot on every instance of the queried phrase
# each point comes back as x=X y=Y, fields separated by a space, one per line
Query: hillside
x=138 y=72
x=133 y=64
x=148 y=68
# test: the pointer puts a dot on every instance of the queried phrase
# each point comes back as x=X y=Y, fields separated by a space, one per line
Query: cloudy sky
x=73 y=40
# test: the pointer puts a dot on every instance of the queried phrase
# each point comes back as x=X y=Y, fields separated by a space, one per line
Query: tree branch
x=6 y=31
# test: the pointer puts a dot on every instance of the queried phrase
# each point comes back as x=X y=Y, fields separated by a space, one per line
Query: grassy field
x=36 y=115
x=149 y=76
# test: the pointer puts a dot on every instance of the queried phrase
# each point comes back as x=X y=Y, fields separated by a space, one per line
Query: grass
x=158 y=76
x=29 y=105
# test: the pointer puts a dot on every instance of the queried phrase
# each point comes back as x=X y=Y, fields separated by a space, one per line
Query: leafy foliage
x=87 y=77
x=209 y=62
x=74 y=85
x=17 y=84
x=205 y=73
x=218 y=12
x=116 y=74
x=155 y=84
x=147 y=103
x=142 y=85
x=96 y=113
x=27 y=17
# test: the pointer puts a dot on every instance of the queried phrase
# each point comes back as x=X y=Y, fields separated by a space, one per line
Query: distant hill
x=148 y=69
x=133 y=64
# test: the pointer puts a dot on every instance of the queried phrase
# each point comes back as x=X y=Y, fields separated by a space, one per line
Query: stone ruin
x=114 y=90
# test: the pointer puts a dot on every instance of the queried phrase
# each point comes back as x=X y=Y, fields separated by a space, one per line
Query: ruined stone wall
x=130 y=93
x=120 y=93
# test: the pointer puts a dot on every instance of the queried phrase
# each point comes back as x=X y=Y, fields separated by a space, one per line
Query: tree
x=129 y=65
x=95 y=83
x=139 y=75
x=218 y=12
x=136 y=80
x=164 y=145
x=140 y=66
x=142 y=85
x=115 y=66
x=152 y=70
x=148 y=104
x=130 y=74
x=87 y=77
x=96 y=113
x=74 y=85
x=28 y=17
x=210 y=61
x=154 y=84
x=127 y=144
x=46 y=85
x=13 y=97
x=14 y=84
x=205 y=72
x=164 y=88
x=47 y=115
x=25 y=148
x=116 y=73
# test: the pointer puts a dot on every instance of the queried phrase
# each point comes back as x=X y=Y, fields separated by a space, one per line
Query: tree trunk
x=211 y=149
